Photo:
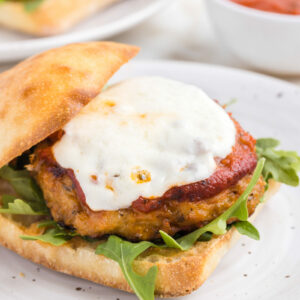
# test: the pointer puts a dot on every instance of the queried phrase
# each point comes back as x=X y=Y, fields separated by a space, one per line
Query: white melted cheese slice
x=140 y=138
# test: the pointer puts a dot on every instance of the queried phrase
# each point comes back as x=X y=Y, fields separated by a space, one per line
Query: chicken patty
x=182 y=208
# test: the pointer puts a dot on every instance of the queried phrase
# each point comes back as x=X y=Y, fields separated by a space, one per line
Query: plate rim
x=194 y=64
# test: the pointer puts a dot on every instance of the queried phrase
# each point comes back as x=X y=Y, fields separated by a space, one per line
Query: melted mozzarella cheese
x=141 y=137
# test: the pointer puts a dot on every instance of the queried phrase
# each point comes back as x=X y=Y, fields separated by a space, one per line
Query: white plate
x=113 y=20
x=268 y=269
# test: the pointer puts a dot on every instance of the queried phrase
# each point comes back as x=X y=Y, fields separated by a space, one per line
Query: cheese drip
x=140 y=138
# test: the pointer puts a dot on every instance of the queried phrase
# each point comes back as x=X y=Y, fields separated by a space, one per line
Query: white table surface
x=181 y=31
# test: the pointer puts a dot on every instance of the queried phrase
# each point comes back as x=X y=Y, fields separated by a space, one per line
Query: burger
x=142 y=185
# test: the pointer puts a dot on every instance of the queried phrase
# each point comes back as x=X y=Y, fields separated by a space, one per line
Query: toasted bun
x=179 y=273
x=41 y=94
x=51 y=17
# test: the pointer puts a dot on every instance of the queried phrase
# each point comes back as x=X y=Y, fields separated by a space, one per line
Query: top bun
x=43 y=93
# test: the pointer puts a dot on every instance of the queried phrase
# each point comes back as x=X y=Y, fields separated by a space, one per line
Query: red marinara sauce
x=289 y=7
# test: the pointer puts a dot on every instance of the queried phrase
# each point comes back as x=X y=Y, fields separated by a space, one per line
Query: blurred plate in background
x=113 y=20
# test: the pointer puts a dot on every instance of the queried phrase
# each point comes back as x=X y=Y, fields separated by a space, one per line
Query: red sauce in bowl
x=289 y=7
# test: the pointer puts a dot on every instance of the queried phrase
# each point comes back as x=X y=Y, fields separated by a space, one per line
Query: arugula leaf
x=218 y=226
x=47 y=223
x=51 y=236
x=6 y=199
x=32 y=5
x=29 y=5
x=280 y=165
x=54 y=235
x=230 y=102
x=246 y=228
x=267 y=143
x=205 y=237
x=26 y=187
x=124 y=253
x=18 y=207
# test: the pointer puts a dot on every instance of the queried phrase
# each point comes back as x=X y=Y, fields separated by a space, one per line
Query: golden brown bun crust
x=41 y=94
x=179 y=274
x=51 y=17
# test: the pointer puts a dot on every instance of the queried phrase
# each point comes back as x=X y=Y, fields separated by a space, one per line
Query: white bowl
x=266 y=41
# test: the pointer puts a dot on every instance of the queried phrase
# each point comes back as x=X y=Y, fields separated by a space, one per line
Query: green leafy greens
x=29 y=5
x=32 y=5
x=54 y=234
x=124 y=253
x=230 y=102
x=246 y=228
x=32 y=203
x=282 y=166
x=17 y=207
x=30 y=198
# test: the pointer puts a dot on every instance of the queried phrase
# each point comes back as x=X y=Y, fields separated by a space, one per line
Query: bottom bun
x=180 y=272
